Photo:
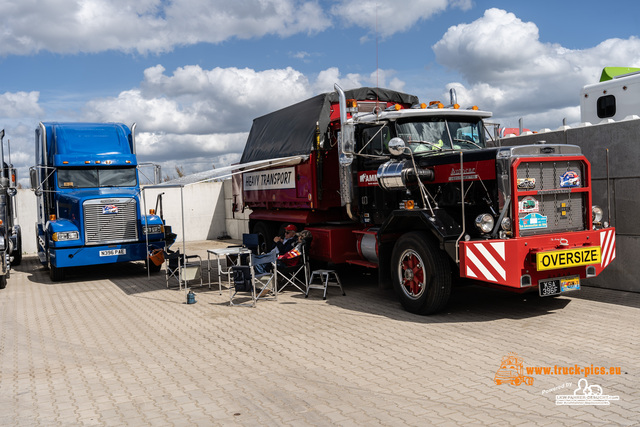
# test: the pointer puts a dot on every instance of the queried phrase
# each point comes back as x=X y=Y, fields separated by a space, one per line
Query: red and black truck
x=418 y=192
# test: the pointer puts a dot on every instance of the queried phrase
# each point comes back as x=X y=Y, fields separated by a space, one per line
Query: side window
x=378 y=137
x=606 y=106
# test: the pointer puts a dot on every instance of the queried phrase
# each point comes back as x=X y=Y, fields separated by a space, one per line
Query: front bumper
x=103 y=254
x=522 y=262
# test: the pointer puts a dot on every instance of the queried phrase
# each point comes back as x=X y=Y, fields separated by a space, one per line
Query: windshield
x=435 y=134
x=96 y=177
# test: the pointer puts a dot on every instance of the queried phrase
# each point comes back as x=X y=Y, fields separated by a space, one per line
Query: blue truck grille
x=108 y=221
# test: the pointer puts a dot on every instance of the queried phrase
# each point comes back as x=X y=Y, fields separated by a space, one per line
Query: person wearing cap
x=289 y=241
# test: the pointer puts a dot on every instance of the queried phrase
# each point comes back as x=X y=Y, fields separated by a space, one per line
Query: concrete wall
x=623 y=141
x=236 y=223
x=204 y=212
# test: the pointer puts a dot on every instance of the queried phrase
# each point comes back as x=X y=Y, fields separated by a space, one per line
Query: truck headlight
x=484 y=223
x=152 y=229
x=61 y=236
x=596 y=213
x=506 y=224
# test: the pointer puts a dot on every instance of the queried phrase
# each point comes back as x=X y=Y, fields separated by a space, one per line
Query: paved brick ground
x=110 y=347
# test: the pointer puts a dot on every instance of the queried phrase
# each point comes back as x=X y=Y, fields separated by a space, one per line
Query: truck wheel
x=154 y=268
x=265 y=235
x=3 y=282
x=56 y=274
x=17 y=251
x=421 y=274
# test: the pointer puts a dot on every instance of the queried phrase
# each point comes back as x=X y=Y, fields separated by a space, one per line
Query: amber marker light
x=398 y=107
x=152 y=211
x=423 y=105
x=409 y=204
x=52 y=217
x=456 y=106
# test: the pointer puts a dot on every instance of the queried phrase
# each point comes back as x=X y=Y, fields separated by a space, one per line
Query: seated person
x=286 y=244
x=290 y=258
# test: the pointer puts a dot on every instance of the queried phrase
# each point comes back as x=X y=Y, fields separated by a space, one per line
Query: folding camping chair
x=249 y=241
x=258 y=279
x=181 y=268
x=296 y=275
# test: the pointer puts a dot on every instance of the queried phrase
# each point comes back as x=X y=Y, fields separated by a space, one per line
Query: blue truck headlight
x=152 y=229
x=62 y=236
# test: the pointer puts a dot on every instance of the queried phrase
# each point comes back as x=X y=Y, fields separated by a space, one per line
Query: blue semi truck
x=89 y=198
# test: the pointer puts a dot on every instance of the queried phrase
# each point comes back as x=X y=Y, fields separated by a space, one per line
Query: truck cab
x=88 y=198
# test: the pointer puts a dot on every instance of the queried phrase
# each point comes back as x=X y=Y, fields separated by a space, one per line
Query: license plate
x=568 y=258
x=557 y=286
x=111 y=252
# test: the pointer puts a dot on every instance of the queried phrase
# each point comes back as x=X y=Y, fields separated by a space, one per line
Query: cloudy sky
x=194 y=74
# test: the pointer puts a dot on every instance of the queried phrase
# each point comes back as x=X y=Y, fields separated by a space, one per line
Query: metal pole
x=608 y=192
x=464 y=230
x=146 y=235
x=184 y=245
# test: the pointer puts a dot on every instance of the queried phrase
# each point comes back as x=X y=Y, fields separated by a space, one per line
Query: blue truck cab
x=88 y=198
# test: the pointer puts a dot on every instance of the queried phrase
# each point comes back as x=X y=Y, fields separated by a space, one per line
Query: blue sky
x=194 y=73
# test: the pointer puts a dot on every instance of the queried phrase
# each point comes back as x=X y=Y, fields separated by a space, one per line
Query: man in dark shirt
x=289 y=241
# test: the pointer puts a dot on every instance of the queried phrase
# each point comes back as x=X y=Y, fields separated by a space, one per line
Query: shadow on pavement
x=467 y=304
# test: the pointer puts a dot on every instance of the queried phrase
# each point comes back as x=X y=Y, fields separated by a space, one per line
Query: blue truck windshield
x=434 y=134
x=96 y=177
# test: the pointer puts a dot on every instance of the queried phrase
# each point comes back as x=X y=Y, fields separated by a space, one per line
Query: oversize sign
x=568 y=258
x=272 y=179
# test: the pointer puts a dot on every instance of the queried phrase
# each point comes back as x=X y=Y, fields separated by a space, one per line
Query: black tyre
x=56 y=274
x=421 y=274
x=17 y=251
x=3 y=282
x=154 y=268
x=265 y=234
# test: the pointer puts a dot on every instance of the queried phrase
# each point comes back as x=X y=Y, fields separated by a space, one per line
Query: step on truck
x=417 y=192
x=10 y=232
x=88 y=198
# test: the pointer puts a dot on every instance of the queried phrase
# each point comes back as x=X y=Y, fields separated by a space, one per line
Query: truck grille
x=110 y=221
x=556 y=207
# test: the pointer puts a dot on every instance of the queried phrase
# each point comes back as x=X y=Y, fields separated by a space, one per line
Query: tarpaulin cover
x=291 y=130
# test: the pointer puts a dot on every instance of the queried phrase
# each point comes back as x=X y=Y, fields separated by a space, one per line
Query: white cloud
x=72 y=26
x=19 y=104
x=512 y=73
x=390 y=17
x=195 y=117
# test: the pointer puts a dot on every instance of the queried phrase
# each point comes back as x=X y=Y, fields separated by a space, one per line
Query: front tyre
x=17 y=251
x=56 y=274
x=154 y=268
x=421 y=274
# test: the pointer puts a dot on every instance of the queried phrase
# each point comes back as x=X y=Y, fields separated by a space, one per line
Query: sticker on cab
x=528 y=204
x=569 y=179
x=526 y=183
x=110 y=209
x=533 y=221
